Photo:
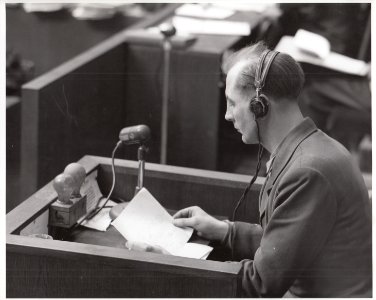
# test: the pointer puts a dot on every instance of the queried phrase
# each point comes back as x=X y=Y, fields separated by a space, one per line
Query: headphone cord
x=259 y=157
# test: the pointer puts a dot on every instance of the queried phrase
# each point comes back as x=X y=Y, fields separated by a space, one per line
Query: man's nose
x=228 y=116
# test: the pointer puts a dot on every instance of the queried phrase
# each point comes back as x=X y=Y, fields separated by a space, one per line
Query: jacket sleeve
x=245 y=237
x=304 y=211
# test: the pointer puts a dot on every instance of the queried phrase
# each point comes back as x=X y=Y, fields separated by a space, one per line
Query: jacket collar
x=288 y=146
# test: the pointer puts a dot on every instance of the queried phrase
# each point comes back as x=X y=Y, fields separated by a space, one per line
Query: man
x=314 y=209
x=314 y=236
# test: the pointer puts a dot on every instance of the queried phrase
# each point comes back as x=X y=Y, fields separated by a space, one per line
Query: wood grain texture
x=57 y=277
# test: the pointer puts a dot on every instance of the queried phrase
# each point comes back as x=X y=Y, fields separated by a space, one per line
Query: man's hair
x=285 y=77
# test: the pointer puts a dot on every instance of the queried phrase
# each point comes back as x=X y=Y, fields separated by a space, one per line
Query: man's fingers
x=185 y=222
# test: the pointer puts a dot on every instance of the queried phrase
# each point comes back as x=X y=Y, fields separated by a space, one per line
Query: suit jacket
x=315 y=216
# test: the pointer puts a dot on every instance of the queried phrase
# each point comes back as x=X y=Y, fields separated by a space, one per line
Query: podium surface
x=95 y=264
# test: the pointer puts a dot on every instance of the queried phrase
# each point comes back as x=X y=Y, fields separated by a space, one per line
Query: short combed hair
x=285 y=77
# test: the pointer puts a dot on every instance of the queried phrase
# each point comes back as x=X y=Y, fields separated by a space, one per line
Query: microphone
x=138 y=134
x=168 y=30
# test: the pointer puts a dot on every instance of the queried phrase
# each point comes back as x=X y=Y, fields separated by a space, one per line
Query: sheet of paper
x=94 y=198
x=194 y=250
x=145 y=220
x=101 y=221
x=195 y=26
x=91 y=189
x=203 y=10
x=333 y=61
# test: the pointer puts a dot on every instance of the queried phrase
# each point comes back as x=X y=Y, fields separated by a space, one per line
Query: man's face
x=238 y=107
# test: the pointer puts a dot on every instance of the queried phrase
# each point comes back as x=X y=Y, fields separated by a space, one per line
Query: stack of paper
x=220 y=27
x=145 y=220
x=42 y=7
x=203 y=11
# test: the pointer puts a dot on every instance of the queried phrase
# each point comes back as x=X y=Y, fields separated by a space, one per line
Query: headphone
x=259 y=105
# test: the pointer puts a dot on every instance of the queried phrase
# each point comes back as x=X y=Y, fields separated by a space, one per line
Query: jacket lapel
x=284 y=154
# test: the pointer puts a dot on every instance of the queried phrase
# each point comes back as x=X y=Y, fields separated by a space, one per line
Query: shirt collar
x=269 y=164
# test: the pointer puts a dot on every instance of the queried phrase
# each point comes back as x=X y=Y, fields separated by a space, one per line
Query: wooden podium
x=96 y=264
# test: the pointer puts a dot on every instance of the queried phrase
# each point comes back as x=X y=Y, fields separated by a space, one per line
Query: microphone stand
x=141 y=153
x=168 y=31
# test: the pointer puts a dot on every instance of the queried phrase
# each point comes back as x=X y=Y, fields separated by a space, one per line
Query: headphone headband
x=261 y=71
x=259 y=105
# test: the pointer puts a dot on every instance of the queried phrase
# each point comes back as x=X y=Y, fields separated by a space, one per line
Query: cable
x=96 y=210
x=259 y=157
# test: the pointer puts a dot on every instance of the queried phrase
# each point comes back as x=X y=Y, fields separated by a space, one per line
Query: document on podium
x=145 y=220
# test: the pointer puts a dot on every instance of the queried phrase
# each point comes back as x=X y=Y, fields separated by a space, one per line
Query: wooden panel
x=61 y=124
x=55 y=277
x=194 y=110
x=50 y=39
x=13 y=148
x=143 y=95
x=194 y=100
x=63 y=269
x=75 y=109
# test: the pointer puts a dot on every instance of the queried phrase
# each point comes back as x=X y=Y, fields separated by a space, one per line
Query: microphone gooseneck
x=138 y=134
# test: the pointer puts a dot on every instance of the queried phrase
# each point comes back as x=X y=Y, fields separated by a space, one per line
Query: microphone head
x=167 y=29
x=138 y=134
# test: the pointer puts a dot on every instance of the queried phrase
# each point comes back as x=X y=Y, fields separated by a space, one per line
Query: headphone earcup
x=259 y=106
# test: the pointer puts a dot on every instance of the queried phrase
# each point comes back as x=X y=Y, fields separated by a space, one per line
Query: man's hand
x=140 y=246
x=206 y=226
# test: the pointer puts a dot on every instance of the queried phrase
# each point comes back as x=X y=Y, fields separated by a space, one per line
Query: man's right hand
x=206 y=226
